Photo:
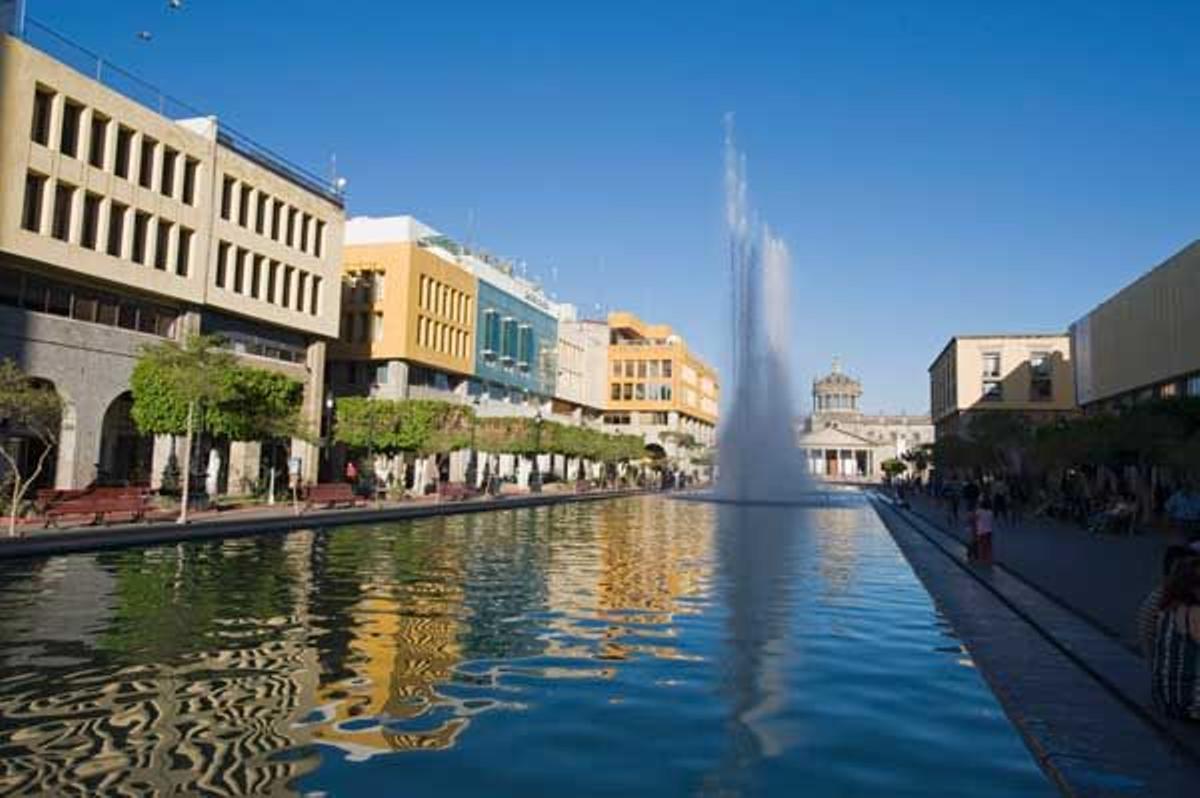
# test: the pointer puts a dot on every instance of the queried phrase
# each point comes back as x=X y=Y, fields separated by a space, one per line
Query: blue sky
x=936 y=168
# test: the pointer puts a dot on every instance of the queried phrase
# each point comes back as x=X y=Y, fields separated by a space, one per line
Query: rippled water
x=642 y=646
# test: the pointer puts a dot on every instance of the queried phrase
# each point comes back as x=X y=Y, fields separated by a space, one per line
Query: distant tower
x=834 y=396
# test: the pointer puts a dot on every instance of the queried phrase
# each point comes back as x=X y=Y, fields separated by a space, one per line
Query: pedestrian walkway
x=1101 y=577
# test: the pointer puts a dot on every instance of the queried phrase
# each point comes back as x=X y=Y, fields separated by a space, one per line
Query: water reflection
x=632 y=646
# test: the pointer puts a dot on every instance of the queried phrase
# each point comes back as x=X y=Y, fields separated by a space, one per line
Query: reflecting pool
x=637 y=646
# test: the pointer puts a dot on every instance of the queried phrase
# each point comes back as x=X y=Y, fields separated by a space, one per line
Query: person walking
x=985 y=521
x=351 y=472
x=971 y=495
x=1175 y=666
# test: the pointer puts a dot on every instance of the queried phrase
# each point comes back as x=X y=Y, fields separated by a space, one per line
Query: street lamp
x=472 y=457
x=535 y=478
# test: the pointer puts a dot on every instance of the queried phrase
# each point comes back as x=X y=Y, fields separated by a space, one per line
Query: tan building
x=840 y=442
x=582 y=362
x=121 y=227
x=408 y=315
x=656 y=384
x=1142 y=343
x=1026 y=373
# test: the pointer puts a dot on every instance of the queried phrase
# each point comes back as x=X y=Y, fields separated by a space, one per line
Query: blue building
x=515 y=342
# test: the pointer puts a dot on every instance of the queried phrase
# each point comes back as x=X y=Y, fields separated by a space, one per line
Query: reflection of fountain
x=755 y=576
x=758 y=455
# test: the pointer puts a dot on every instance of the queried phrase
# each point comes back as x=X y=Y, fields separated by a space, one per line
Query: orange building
x=656 y=385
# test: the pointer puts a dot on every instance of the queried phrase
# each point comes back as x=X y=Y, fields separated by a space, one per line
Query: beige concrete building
x=840 y=442
x=1025 y=373
x=582 y=366
x=1143 y=342
x=120 y=226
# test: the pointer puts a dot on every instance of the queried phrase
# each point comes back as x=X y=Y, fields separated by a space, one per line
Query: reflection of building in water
x=404 y=643
x=211 y=722
x=650 y=558
x=836 y=535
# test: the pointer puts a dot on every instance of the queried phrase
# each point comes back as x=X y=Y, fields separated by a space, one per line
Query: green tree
x=172 y=385
x=31 y=409
x=892 y=467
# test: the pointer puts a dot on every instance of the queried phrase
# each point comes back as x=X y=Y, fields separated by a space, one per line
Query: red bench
x=452 y=491
x=98 y=504
x=331 y=494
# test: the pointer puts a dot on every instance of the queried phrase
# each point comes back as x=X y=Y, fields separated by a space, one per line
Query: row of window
x=104 y=225
x=640 y=391
x=111 y=146
x=363 y=288
x=443 y=300
x=441 y=337
x=36 y=293
x=653 y=419
x=641 y=369
x=255 y=276
x=256 y=210
x=362 y=327
x=837 y=401
x=510 y=341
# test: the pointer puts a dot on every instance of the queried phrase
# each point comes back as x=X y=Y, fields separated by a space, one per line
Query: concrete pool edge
x=1087 y=739
x=118 y=536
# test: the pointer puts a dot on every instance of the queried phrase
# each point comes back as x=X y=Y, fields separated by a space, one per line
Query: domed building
x=843 y=443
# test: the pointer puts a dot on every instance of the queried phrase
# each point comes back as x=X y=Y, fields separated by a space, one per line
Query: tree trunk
x=16 y=500
x=187 y=467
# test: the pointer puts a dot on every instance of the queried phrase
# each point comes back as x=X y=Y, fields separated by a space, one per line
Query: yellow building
x=408 y=315
x=656 y=384
x=1030 y=374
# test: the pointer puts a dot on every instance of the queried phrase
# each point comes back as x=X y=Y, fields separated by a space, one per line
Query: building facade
x=657 y=385
x=1142 y=342
x=408 y=315
x=840 y=442
x=582 y=364
x=1029 y=374
x=121 y=227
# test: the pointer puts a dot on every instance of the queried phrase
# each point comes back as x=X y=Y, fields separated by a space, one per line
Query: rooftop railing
x=144 y=93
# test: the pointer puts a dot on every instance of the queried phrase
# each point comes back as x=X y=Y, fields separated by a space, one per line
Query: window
x=239 y=271
x=652 y=369
x=286 y=299
x=227 y=186
x=222 y=263
x=1041 y=388
x=666 y=368
x=616 y=369
x=124 y=152
x=183 y=252
x=314 y=304
x=255 y=275
x=141 y=228
x=64 y=196
x=991 y=364
x=1168 y=391
x=381 y=374
x=146 y=164
x=83 y=306
x=627 y=392
x=993 y=391
x=508 y=344
x=68 y=143
x=43 y=102
x=272 y=277
x=276 y=220
x=641 y=369
x=190 y=168
x=260 y=215
x=244 y=207
x=98 y=140
x=166 y=184
x=524 y=347
x=491 y=333
x=291 y=226
x=31 y=212
x=304 y=226
x=116 y=228
x=362 y=327
x=616 y=392
x=301 y=289
x=90 y=236
x=162 y=245
x=319 y=239
x=376 y=327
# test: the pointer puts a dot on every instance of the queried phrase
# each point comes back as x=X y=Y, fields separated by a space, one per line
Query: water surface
x=641 y=646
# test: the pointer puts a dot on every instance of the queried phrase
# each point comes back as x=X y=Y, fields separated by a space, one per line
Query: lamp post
x=472 y=457
x=535 y=477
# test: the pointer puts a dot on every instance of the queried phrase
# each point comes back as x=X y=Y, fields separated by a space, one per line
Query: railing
x=144 y=93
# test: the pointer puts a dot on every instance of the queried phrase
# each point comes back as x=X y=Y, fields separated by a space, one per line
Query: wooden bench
x=451 y=491
x=99 y=504
x=47 y=497
x=331 y=494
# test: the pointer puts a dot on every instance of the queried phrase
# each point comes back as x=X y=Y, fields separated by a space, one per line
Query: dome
x=836 y=392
